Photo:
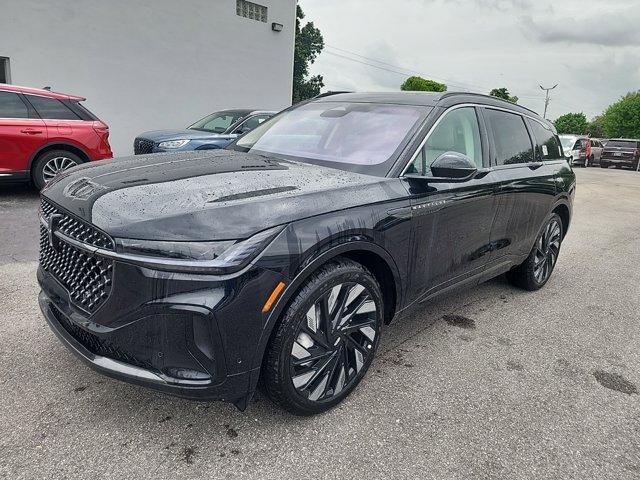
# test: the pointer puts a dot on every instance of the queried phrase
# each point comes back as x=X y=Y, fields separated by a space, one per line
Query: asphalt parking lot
x=513 y=385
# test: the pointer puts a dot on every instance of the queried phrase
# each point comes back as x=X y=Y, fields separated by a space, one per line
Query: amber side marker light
x=273 y=297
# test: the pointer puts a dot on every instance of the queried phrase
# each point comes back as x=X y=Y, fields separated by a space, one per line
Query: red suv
x=43 y=133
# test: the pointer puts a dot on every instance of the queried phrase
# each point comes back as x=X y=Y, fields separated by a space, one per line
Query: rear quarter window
x=51 y=108
x=547 y=144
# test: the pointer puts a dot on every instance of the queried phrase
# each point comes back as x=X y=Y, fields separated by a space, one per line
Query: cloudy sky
x=589 y=48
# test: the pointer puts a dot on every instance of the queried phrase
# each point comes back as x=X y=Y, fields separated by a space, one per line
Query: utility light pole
x=546 y=100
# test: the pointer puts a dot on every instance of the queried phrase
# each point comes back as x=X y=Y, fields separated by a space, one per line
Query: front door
x=452 y=221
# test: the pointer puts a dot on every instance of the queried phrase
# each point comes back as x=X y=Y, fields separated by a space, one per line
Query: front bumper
x=197 y=390
x=193 y=336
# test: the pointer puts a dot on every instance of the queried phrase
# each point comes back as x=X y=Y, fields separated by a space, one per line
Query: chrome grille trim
x=75 y=228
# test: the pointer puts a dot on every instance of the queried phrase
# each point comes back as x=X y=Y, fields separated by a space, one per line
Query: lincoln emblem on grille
x=53 y=224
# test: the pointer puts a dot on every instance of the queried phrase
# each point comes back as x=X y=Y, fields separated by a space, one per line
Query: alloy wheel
x=547 y=250
x=56 y=165
x=334 y=342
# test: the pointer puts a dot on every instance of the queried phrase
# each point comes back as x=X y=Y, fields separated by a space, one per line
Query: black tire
x=544 y=255
x=42 y=170
x=603 y=165
x=337 y=374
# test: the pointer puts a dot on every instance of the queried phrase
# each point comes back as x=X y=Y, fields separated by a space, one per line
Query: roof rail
x=450 y=94
x=329 y=93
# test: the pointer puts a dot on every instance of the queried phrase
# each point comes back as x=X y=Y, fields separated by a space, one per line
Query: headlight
x=222 y=257
x=173 y=143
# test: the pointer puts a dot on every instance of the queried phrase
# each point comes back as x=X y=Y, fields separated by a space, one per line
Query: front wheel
x=50 y=164
x=535 y=271
x=326 y=339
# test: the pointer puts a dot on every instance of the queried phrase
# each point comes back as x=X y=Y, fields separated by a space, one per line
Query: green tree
x=308 y=45
x=504 y=94
x=419 y=84
x=622 y=119
x=572 y=123
x=596 y=127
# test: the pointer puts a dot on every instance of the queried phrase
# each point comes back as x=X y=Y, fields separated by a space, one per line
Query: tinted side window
x=510 y=136
x=458 y=131
x=547 y=146
x=12 y=106
x=51 y=108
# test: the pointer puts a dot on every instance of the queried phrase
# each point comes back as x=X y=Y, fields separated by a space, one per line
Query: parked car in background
x=575 y=150
x=621 y=152
x=43 y=133
x=282 y=257
x=211 y=132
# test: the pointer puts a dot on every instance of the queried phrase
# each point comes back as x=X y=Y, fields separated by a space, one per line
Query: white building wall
x=151 y=64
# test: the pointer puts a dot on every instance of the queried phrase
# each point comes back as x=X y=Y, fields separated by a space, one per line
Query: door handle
x=31 y=131
x=535 y=165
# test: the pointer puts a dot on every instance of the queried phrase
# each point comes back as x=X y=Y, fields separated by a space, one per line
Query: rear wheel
x=326 y=339
x=535 y=271
x=50 y=164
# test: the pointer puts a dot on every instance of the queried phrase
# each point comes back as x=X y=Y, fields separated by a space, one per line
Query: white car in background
x=575 y=148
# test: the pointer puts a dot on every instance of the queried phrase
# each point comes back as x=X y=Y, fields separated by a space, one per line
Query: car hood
x=206 y=195
x=186 y=134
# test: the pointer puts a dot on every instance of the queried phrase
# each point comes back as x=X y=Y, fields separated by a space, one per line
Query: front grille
x=142 y=146
x=96 y=345
x=87 y=277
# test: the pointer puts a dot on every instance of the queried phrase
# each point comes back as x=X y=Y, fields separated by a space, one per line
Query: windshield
x=567 y=142
x=363 y=137
x=218 y=122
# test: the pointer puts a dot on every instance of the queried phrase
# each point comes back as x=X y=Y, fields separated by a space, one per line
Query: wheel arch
x=59 y=146
x=372 y=256
x=562 y=209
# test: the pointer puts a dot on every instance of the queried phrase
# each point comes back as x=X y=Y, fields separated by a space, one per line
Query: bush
x=622 y=119
x=572 y=123
x=504 y=94
x=596 y=127
x=419 y=84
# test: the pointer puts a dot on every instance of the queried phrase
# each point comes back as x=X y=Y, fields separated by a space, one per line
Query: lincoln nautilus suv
x=283 y=257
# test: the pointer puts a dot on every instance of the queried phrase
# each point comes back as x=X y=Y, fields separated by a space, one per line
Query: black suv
x=282 y=258
x=621 y=152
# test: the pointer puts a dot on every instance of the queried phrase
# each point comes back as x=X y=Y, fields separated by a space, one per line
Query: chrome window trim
x=463 y=105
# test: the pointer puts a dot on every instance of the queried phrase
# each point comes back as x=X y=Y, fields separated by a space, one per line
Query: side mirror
x=453 y=165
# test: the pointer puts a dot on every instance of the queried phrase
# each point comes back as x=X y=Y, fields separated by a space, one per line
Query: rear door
x=61 y=121
x=526 y=165
x=21 y=133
